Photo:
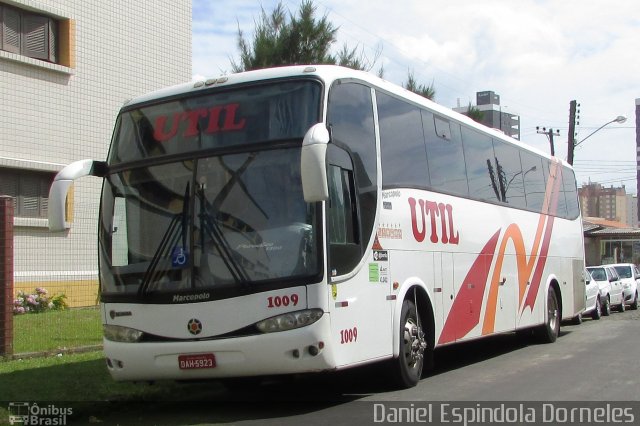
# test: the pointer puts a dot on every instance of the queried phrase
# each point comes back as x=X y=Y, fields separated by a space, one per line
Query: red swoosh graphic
x=460 y=321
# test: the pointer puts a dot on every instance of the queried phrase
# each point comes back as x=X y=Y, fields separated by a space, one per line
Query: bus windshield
x=222 y=223
x=204 y=220
x=228 y=119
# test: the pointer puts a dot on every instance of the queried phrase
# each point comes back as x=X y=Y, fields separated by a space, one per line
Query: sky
x=538 y=55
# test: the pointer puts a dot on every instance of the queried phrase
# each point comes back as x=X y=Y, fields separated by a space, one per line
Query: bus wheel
x=412 y=346
x=548 y=333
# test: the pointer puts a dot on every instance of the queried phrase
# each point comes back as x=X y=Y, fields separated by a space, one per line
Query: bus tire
x=413 y=344
x=549 y=332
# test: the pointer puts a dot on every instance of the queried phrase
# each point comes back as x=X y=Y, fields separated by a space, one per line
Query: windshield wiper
x=178 y=227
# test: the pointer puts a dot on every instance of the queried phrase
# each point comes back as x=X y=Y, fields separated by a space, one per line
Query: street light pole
x=572 y=143
x=619 y=119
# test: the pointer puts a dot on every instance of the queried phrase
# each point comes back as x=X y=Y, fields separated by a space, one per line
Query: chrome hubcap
x=414 y=343
x=553 y=313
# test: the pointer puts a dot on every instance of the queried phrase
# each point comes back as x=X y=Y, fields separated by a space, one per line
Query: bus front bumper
x=300 y=350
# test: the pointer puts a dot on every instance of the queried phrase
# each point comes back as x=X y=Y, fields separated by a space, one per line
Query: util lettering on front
x=221 y=118
x=437 y=217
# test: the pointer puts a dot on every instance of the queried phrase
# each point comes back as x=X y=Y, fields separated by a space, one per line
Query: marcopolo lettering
x=177 y=298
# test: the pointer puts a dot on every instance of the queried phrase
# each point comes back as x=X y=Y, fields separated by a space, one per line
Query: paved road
x=594 y=361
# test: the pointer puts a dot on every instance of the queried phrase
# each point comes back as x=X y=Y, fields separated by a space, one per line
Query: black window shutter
x=53 y=40
x=35 y=35
x=28 y=204
x=10 y=30
x=45 y=183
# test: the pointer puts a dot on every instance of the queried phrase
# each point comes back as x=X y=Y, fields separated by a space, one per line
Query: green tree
x=428 y=92
x=283 y=38
x=474 y=113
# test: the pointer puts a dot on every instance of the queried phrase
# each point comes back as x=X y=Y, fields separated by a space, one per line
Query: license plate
x=193 y=362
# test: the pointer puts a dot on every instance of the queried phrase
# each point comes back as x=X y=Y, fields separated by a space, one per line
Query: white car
x=630 y=277
x=594 y=304
x=609 y=285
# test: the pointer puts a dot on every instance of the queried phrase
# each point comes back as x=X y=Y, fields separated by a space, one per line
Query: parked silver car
x=610 y=287
x=594 y=301
x=630 y=277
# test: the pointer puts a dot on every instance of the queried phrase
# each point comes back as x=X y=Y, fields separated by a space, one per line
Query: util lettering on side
x=440 y=221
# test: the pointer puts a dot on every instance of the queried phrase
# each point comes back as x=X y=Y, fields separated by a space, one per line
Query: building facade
x=493 y=115
x=66 y=67
x=608 y=203
x=607 y=242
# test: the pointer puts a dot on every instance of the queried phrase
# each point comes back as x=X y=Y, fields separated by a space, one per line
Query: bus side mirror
x=313 y=164
x=61 y=184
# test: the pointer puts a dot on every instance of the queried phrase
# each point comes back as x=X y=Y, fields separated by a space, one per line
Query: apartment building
x=66 y=67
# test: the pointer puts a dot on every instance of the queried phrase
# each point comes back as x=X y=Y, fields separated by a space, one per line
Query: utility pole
x=550 y=134
x=571 y=136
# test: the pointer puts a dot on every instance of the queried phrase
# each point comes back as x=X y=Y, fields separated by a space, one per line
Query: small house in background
x=608 y=241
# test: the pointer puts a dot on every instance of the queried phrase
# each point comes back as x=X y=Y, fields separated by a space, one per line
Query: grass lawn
x=56 y=330
x=81 y=381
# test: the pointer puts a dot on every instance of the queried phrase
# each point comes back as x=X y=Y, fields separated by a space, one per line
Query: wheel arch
x=414 y=289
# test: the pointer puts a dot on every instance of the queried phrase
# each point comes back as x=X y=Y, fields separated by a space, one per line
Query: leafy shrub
x=39 y=301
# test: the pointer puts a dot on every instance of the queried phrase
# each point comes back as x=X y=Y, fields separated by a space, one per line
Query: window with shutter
x=10 y=30
x=30 y=34
x=29 y=189
x=35 y=36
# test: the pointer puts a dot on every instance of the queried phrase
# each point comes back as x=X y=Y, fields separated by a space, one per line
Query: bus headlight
x=117 y=333
x=290 y=320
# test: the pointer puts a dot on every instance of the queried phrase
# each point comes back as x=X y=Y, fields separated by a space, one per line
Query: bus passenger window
x=447 y=170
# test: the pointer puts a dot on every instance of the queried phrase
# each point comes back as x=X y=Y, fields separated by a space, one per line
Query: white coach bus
x=316 y=218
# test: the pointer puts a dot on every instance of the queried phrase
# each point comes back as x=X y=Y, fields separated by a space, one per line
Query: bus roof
x=328 y=74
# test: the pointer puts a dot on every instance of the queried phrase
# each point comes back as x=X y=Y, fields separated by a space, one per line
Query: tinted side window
x=570 y=192
x=350 y=117
x=481 y=170
x=447 y=171
x=509 y=170
x=404 y=159
x=534 y=180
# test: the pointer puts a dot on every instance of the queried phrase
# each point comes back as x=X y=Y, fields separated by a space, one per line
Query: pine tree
x=282 y=38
